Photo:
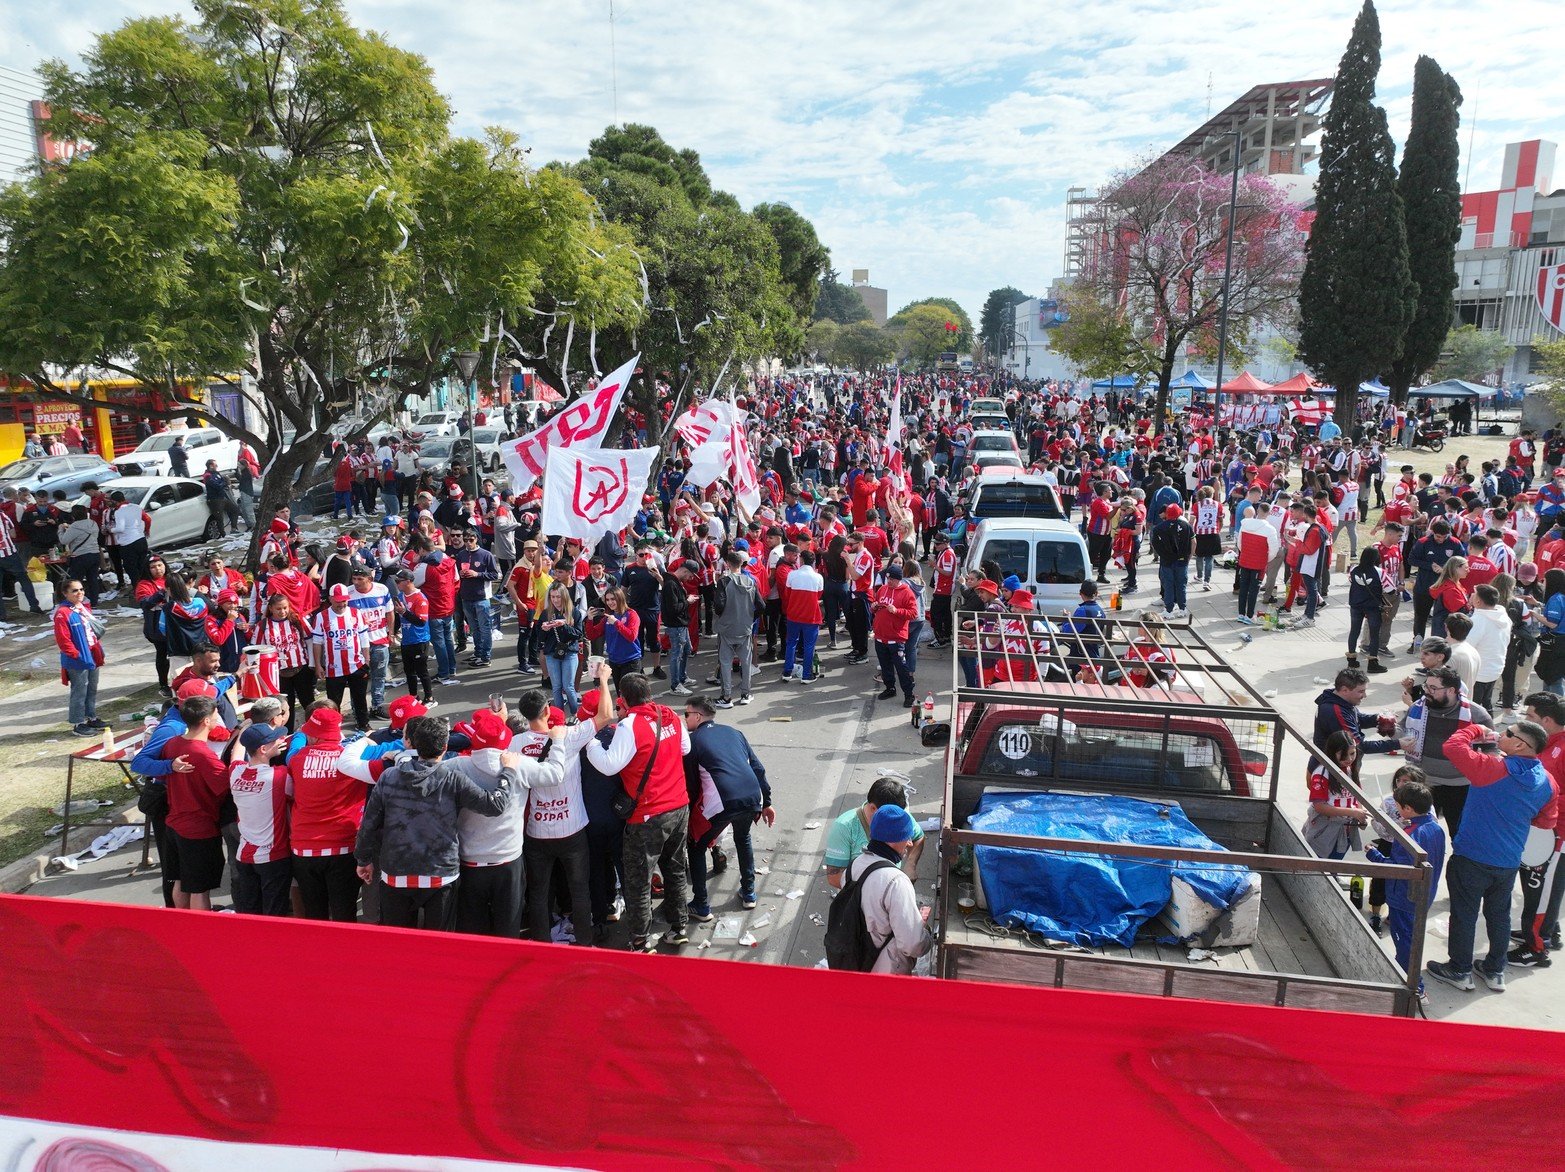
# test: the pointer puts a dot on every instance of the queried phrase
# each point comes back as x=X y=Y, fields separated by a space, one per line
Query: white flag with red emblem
x=583 y=423
x=741 y=470
x=893 y=443
x=706 y=421
x=588 y=492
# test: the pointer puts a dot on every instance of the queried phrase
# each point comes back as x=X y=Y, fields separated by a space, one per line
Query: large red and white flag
x=582 y=424
x=741 y=470
x=1551 y=294
x=1313 y=412
x=588 y=492
x=893 y=443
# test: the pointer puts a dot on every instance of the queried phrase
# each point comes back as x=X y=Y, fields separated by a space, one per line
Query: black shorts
x=196 y=863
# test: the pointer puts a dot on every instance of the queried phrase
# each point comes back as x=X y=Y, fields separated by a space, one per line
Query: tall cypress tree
x=1431 y=191
x=1357 y=295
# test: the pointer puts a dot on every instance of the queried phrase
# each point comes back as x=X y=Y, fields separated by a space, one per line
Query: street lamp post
x=1228 y=261
x=467 y=367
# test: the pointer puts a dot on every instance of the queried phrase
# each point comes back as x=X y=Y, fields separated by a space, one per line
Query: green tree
x=863 y=344
x=820 y=340
x=960 y=340
x=922 y=332
x=801 y=257
x=997 y=319
x=1358 y=294
x=1550 y=355
x=840 y=303
x=1473 y=355
x=714 y=293
x=273 y=193
x=1431 y=190
x=1098 y=341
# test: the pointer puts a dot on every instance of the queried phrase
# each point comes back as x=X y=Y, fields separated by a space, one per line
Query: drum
x=262 y=676
x=1538 y=847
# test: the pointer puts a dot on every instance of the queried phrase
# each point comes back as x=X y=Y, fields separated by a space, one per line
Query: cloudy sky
x=929 y=143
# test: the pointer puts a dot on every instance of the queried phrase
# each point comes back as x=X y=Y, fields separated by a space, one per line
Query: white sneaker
x=679 y=690
x=1302 y=623
x=432 y=704
x=745 y=699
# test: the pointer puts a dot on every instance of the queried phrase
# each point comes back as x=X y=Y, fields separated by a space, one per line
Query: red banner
x=149 y=1024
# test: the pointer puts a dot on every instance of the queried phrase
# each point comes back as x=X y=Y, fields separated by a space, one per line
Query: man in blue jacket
x=1510 y=793
x=727 y=785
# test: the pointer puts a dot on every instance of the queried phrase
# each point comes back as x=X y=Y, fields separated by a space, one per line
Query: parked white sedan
x=177 y=507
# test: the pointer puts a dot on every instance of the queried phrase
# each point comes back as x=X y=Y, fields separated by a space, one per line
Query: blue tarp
x=1091 y=899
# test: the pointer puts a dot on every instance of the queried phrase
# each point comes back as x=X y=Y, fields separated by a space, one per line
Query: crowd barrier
x=134 y=1038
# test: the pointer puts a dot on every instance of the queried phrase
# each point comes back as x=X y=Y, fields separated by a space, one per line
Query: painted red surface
x=280 y=1032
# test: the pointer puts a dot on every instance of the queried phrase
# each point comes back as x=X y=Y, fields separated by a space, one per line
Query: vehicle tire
x=213 y=530
x=1437 y=444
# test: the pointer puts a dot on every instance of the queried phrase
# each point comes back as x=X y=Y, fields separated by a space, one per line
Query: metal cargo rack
x=1315 y=949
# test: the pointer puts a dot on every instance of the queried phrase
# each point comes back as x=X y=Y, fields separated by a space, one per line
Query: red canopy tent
x=1247 y=384
x=1299 y=384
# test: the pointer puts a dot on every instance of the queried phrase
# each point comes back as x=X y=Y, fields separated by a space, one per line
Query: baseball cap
x=392 y=522
x=195 y=688
x=340 y=593
x=403 y=576
x=363 y=572
x=742 y=545
x=261 y=734
x=1173 y=512
x=489 y=731
x=344 y=544
x=456 y=492
x=404 y=709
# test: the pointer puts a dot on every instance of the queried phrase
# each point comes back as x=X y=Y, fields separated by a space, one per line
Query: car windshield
x=1124 y=756
x=434 y=420
x=993 y=443
x=158 y=443
x=486 y=435
x=1016 y=500
x=19 y=469
x=436 y=447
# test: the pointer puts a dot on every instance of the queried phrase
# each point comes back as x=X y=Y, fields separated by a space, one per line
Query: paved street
x=823 y=746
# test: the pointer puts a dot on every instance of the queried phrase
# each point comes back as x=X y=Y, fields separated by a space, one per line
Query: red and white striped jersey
x=1390 y=565
x=7 y=535
x=287 y=638
x=341 y=639
x=861 y=571
x=261 y=797
x=1207 y=516
x=945 y=571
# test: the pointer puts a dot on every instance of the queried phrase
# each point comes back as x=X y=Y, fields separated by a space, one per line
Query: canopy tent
x=1299 y=384
x=1246 y=384
x=1194 y=381
x=1120 y=382
x=1374 y=390
x=1453 y=388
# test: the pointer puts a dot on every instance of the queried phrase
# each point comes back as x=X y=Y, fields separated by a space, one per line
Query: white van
x=1050 y=557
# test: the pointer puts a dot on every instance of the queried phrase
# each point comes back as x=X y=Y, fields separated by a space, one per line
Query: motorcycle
x=1430 y=436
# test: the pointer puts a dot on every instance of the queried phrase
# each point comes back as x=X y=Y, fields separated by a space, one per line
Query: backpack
x=849 y=947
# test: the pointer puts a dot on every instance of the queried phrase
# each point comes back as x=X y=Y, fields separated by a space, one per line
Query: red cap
x=345 y=544
x=557 y=715
x=1173 y=511
x=324 y=724
x=226 y=596
x=195 y=688
x=404 y=709
x=456 y=492
x=340 y=593
x=489 y=731
x=279 y=525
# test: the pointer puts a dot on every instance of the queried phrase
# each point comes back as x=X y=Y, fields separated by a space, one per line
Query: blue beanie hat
x=1012 y=582
x=892 y=824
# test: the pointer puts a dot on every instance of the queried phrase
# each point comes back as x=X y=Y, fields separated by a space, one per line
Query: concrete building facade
x=874 y=298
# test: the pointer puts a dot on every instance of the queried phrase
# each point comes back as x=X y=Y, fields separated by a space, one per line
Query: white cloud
x=930 y=143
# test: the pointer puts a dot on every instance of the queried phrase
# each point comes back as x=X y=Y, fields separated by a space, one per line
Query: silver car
x=50 y=473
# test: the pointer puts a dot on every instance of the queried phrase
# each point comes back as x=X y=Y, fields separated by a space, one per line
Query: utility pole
x=1228 y=264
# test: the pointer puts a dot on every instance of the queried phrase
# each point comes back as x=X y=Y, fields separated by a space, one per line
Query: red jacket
x=328 y=805
x=801 y=595
x=894 y=609
x=194 y=797
x=440 y=587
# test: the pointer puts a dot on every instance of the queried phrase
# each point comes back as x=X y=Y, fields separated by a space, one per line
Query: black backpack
x=849 y=947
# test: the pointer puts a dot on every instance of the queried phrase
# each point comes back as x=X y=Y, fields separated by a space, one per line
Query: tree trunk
x=1347 y=407
x=277 y=487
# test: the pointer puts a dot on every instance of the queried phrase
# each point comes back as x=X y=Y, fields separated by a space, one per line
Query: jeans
x=1203 y=568
x=800 y=645
x=84 y=694
x=893 y=667
x=341 y=502
x=246 y=501
x=910 y=648
x=1311 y=595
x=678 y=654
x=562 y=682
x=478 y=622
x=1470 y=885
x=1171 y=579
x=744 y=854
x=969 y=666
x=834 y=604
x=540 y=856
x=656 y=844
x=440 y=641
x=1365 y=615
x=1249 y=591
x=380 y=669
